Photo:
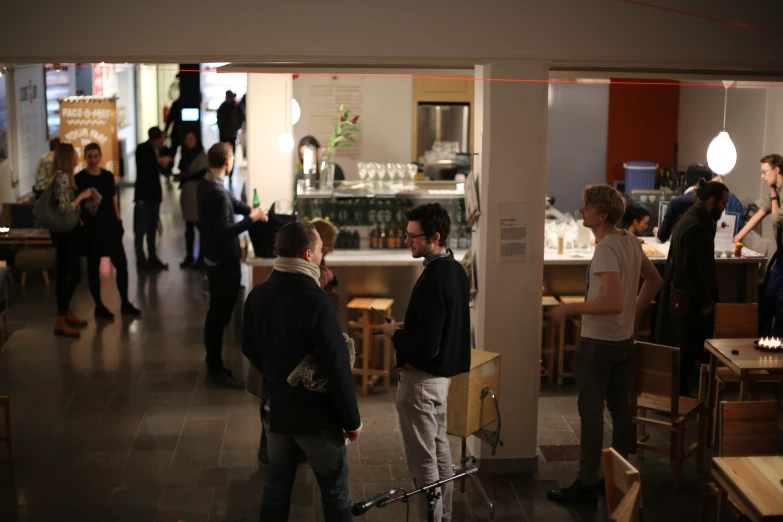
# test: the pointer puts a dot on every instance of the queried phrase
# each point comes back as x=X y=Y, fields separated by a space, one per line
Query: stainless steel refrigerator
x=442 y=122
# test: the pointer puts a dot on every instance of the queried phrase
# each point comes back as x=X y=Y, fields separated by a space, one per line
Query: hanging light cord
x=726 y=85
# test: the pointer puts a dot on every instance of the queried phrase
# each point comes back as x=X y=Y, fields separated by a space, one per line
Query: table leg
x=743 y=388
x=711 y=392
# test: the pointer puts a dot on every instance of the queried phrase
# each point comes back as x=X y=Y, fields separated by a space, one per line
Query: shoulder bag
x=47 y=216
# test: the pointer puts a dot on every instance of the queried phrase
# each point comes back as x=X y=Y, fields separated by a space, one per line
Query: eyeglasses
x=764 y=172
x=414 y=236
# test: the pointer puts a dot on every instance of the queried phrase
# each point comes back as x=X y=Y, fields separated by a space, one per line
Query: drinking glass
x=362 y=170
x=399 y=172
x=413 y=169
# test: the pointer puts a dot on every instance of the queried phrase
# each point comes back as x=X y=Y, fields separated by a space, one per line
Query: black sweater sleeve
x=332 y=354
x=420 y=340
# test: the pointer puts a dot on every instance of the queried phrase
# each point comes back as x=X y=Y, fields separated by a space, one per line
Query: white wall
x=28 y=130
x=578 y=125
x=149 y=110
x=385 y=118
x=124 y=87
x=269 y=169
x=754 y=120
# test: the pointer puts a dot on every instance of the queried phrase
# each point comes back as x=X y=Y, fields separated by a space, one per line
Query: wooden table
x=753 y=483
x=745 y=364
x=26 y=237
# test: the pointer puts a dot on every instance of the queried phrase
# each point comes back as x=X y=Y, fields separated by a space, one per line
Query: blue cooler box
x=639 y=175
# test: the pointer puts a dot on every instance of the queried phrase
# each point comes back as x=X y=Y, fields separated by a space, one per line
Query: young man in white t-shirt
x=612 y=306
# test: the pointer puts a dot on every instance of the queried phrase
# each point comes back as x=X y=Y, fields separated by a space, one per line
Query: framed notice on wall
x=90 y=119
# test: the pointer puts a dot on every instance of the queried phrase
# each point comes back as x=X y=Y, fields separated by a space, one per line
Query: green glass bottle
x=256 y=201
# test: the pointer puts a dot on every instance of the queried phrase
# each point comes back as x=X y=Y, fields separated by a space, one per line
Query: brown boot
x=75 y=321
x=62 y=328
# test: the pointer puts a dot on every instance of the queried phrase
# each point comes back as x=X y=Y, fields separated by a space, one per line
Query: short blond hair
x=326 y=230
x=608 y=200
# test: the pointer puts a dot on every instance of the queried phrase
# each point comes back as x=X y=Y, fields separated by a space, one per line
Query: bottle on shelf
x=315 y=210
x=462 y=238
x=355 y=240
x=402 y=237
x=382 y=239
x=256 y=201
x=375 y=237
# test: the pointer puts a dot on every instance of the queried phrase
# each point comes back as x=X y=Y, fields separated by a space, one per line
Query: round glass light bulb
x=285 y=142
x=296 y=111
x=722 y=154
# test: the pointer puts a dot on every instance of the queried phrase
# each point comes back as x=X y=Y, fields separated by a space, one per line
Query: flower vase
x=327 y=170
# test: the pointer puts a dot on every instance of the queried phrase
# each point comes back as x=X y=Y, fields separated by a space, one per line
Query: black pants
x=68 y=247
x=145 y=223
x=120 y=262
x=223 y=291
x=190 y=239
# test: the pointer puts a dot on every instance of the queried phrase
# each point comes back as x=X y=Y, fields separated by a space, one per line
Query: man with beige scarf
x=287 y=318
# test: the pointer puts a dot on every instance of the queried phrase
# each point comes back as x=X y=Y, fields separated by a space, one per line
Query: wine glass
x=362 y=170
x=413 y=169
x=399 y=172
x=381 y=171
x=371 y=172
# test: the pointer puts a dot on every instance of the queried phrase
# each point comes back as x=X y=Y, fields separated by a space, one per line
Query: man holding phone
x=432 y=345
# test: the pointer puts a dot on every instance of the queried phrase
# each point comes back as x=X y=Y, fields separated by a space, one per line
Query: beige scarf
x=295 y=265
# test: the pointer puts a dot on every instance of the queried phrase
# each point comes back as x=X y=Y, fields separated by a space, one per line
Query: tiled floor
x=119 y=425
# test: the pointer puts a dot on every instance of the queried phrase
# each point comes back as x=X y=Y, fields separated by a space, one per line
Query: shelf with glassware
x=371 y=216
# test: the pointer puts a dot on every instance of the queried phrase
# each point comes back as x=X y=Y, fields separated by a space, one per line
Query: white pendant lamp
x=286 y=142
x=722 y=154
x=296 y=111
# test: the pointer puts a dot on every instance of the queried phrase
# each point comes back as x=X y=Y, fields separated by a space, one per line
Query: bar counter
x=392 y=273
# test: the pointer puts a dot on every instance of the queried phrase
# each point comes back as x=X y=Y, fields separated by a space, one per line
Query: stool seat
x=366 y=322
x=366 y=303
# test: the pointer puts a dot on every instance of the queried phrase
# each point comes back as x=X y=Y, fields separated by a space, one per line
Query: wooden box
x=467 y=413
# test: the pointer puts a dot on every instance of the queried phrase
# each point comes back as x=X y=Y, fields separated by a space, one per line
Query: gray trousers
x=421 y=406
x=602 y=376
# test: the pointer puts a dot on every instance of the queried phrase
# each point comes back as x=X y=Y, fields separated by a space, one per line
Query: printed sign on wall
x=88 y=119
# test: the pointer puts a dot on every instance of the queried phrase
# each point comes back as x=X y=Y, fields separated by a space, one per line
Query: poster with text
x=30 y=127
x=89 y=119
x=514 y=225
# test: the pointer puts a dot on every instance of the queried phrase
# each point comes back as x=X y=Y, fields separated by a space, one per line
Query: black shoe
x=574 y=494
x=156 y=264
x=187 y=262
x=101 y=312
x=129 y=309
x=141 y=265
x=224 y=378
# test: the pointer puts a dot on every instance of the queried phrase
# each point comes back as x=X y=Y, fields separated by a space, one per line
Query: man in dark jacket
x=150 y=163
x=432 y=345
x=222 y=255
x=230 y=117
x=287 y=318
x=679 y=205
x=690 y=288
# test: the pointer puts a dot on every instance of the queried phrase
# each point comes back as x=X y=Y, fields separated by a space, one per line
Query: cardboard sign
x=90 y=119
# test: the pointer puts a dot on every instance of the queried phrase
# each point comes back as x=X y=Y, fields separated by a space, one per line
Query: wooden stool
x=367 y=322
x=563 y=348
x=551 y=340
x=5 y=402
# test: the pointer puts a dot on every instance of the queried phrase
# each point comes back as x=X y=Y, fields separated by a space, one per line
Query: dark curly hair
x=695 y=172
x=432 y=218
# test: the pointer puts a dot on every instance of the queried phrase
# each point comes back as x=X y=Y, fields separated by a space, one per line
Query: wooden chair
x=655 y=386
x=630 y=509
x=733 y=321
x=565 y=369
x=367 y=323
x=619 y=476
x=746 y=429
x=550 y=340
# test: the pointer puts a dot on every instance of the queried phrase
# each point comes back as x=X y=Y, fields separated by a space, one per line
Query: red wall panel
x=642 y=125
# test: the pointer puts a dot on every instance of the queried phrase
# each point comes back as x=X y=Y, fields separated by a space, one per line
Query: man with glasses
x=432 y=345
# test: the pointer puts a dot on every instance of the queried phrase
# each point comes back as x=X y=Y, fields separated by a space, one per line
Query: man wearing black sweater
x=222 y=255
x=432 y=345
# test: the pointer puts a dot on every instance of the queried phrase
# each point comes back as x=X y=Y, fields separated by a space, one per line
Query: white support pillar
x=270 y=170
x=511 y=142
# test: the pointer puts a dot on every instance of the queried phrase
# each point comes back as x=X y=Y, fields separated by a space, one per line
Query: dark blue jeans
x=774 y=293
x=327 y=457
x=145 y=222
